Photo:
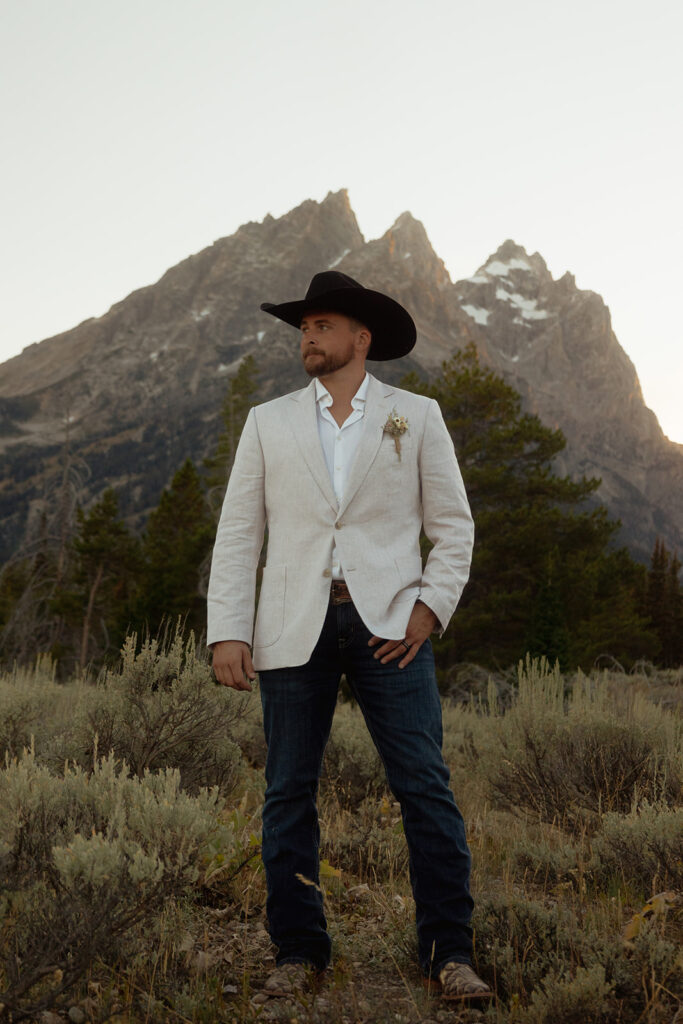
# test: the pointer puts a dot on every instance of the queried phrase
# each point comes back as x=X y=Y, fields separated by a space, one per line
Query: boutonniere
x=396 y=426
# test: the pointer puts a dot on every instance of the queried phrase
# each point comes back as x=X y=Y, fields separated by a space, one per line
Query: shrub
x=530 y=943
x=644 y=848
x=525 y=940
x=554 y=864
x=31 y=704
x=367 y=841
x=573 y=999
x=568 y=758
x=85 y=858
x=160 y=709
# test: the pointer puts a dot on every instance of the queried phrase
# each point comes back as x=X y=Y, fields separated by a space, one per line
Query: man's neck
x=342 y=386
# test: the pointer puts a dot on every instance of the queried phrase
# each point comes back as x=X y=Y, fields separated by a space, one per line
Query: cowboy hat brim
x=392 y=327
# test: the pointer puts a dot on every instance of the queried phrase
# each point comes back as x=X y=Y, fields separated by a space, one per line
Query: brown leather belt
x=339 y=593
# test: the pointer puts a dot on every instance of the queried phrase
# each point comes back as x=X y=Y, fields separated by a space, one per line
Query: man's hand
x=422 y=622
x=232 y=664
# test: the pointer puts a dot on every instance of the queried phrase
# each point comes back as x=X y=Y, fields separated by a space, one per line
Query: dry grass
x=566 y=927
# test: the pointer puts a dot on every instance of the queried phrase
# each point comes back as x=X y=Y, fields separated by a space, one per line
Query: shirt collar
x=324 y=398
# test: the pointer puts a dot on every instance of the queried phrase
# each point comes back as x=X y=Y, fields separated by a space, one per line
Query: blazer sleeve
x=239 y=539
x=447 y=520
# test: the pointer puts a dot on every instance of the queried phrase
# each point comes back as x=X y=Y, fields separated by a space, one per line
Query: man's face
x=327 y=343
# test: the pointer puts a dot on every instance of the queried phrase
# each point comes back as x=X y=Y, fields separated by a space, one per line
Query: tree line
x=547 y=577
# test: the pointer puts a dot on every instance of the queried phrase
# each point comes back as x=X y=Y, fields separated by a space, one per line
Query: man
x=344 y=474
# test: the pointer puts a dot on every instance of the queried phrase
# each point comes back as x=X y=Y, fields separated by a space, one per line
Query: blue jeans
x=402 y=711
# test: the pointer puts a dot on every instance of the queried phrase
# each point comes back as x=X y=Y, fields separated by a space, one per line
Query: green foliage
x=526 y=940
x=177 y=539
x=559 y=863
x=665 y=604
x=27 y=623
x=158 y=895
x=24 y=696
x=644 y=848
x=640 y=853
x=87 y=857
x=572 y=997
x=542 y=579
x=161 y=708
x=569 y=759
x=14 y=579
x=369 y=843
x=93 y=601
x=547 y=957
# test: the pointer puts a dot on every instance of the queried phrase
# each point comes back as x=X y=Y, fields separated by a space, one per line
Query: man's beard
x=322 y=365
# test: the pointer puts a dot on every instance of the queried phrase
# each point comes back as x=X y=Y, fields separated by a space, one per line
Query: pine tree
x=178 y=537
x=536 y=548
x=675 y=647
x=548 y=633
x=665 y=604
x=94 y=598
x=36 y=572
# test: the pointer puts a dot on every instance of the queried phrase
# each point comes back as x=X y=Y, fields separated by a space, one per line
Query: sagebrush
x=131 y=890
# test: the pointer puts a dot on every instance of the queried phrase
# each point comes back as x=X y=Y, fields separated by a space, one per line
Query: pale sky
x=137 y=132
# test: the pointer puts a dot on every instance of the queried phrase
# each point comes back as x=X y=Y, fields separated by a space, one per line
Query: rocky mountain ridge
x=132 y=393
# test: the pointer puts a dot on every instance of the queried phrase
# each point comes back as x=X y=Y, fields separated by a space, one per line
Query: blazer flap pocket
x=409 y=570
x=270 y=618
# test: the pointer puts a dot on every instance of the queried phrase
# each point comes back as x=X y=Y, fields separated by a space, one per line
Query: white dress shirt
x=339 y=445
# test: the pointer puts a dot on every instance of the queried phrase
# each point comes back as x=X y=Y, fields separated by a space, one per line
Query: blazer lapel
x=303 y=420
x=377 y=408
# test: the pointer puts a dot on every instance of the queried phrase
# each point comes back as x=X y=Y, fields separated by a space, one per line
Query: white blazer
x=280 y=482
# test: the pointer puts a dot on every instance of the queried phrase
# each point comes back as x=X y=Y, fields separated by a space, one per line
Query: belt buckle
x=339 y=593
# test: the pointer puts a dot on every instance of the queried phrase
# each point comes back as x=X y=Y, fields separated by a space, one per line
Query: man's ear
x=364 y=339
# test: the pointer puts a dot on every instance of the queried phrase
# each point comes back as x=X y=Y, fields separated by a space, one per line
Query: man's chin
x=315 y=365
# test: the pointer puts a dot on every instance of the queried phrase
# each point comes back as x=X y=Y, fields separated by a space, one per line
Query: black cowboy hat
x=392 y=327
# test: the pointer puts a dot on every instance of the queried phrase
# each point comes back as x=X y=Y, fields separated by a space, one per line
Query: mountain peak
x=406 y=221
x=510 y=250
x=408 y=234
x=510 y=258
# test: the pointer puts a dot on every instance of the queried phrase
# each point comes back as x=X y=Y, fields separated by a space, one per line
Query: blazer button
x=338 y=526
x=327 y=572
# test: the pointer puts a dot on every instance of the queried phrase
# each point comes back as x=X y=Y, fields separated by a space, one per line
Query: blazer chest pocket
x=393 y=469
x=270 y=617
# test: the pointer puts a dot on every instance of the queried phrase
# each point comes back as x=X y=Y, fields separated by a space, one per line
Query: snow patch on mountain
x=477 y=313
x=496 y=268
x=339 y=259
x=527 y=307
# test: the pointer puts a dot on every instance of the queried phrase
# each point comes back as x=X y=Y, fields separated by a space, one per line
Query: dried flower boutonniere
x=396 y=426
